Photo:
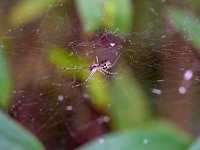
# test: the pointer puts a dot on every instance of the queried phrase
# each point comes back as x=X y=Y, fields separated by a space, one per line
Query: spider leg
x=97 y=59
x=77 y=85
x=91 y=74
x=105 y=71
x=115 y=60
x=77 y=68
x=101 y=71
x=89 y=78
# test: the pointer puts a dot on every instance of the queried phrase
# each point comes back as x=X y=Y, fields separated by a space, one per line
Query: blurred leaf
x=5 y=80
x=195 y=145
x=156 y=138
x=15 y=137
x=114 y=14
x=195 y=4
x=91 y=13
x=62 y=58
x=118 y=14
x=129 y=106
x=27 y=10
x=188 y=23
x=97 y=87
x=99 y=91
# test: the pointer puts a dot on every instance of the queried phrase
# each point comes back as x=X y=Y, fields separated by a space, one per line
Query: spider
x=102 y=67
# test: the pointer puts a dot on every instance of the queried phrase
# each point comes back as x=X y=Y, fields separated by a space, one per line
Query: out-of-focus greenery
x=27 y=10
x=129 y=103
x=14 y=137
x=154 y=138
x=130 y=110
x=112 y=14
x=5 y=80
x=188 y=23
x=195 y=145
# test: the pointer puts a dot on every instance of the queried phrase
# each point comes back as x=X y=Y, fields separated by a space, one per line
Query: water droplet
x=182 y=90
x=69 y=108
x=112 y=44
x=101 y=140
x=106 y=119
x=156 y=91
x=188 y=75
x=145 y=141
x=61 y=98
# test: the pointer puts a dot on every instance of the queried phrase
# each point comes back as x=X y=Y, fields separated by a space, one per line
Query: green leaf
x=28 y=10
x=62 y=58
x=99 y=91
x=195 y=4
x=188 y=23
x=129 y=107
x=112 y=14
x=15 y=137
x=118 y=14
x=5 y=80
x=91 y=13
x=195 y=145
x=156 y=138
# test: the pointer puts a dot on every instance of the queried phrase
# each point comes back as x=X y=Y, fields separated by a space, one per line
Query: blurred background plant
x=152 y=103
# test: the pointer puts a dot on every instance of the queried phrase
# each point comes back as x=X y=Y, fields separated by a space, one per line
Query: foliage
x=14 y=137
x=113 y=14
x=188 y=23
x=5 y=79
x=141 y=139
x=195 y=145
x=130 y=113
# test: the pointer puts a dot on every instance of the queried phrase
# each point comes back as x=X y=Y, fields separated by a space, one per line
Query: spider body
x=105 y=65
x=102 y=67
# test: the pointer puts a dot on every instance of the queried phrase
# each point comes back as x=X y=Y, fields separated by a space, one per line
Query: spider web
x=165 y=63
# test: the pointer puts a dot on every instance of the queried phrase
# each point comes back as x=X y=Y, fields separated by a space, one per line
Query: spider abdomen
x=105 y=64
